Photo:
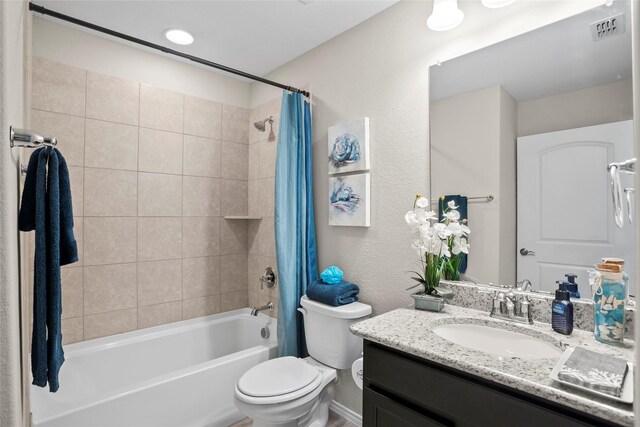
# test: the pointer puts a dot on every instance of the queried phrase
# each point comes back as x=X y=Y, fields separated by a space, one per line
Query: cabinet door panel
x=380 y=411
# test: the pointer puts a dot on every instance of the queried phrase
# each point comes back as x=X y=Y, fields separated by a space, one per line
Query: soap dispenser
x=562 y=313
x=570 y=285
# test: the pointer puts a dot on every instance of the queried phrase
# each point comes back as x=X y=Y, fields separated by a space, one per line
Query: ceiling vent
x=606 y=28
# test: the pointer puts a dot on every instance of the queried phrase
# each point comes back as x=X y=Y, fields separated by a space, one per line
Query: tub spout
x=256 y=310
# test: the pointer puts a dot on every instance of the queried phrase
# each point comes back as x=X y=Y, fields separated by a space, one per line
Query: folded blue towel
x=47 y=209
x=335 y=295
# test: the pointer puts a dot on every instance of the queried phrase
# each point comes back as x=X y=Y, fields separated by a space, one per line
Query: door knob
x=525 y=252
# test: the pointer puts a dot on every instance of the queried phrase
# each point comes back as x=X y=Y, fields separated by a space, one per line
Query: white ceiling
x=558 y=58
x=254 y=36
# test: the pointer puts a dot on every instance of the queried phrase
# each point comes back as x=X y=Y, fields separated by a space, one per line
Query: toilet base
x=316 y=416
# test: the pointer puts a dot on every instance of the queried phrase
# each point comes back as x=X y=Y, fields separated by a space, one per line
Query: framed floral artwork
x=349 y=147
x=349 y=201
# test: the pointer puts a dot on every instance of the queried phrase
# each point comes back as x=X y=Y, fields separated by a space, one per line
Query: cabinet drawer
x=380 y=411
x=466 y=400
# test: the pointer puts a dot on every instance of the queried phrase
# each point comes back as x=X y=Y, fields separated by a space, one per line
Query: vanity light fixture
x=445 y=16
x=494 y=4
x=177 y=36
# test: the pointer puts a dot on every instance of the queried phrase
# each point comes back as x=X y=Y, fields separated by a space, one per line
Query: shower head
x=262 y=124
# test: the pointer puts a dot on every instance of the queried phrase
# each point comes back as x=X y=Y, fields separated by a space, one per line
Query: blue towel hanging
x=461 y=203
x=47 y=209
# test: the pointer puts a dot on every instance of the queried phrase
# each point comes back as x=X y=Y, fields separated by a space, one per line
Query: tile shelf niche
x=243 y=217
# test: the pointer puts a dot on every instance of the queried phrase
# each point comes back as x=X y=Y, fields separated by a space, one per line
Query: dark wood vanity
x=402 y=390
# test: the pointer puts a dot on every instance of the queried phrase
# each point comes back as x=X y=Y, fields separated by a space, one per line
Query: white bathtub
x=180 y=374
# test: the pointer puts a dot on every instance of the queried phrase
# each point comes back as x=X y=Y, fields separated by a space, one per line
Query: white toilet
x=288 y=391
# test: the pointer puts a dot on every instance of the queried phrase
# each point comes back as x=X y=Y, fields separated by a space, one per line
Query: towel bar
x=29 y=139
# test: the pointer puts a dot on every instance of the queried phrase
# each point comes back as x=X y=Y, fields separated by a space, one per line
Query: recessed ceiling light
x=445 y=16
x=178 y=36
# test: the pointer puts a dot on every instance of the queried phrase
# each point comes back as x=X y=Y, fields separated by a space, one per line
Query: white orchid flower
x=452 y=204
x=452 y=215
x=460 y=245
x=411 y=218
x=422 y=202
x=442 y=230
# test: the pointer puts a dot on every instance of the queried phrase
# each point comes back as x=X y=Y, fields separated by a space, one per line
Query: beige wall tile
x=268 y=151
x=109 y=240
x=233 y=275
x=233 y=237
x=234 y=300
x=111 y=323
x=234 y=197
x=161 y=109
x=200 y=277
x=267 y=197
x=57 y=87
x=235 y=160
x=110 y=192
x=112 y=99
x=253 y=240
x=254 y=116
x=72 y=330
x=201 y=156
x=267 y=238
x=72 y=293
x=253 y=167
x=67 y=129
x=201 y=236
x=159 y=281
x=160 y=151
x=159 y=238
x=202 y=117
x=255 y=271
x=201 y=306
x=253 y=198
x=200 y=196
x=109 y=288
x=159 y=314
x=111 y=145
x=254 y=299
x=234 y=124
x=76 y=178
x=159 y=194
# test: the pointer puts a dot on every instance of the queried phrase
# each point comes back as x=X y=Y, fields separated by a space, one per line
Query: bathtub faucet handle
x=268 y=278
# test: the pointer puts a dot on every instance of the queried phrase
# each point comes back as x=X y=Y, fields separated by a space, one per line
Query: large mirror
x=534 y=122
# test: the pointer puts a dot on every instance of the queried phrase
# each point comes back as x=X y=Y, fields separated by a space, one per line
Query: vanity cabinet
x=401 y=390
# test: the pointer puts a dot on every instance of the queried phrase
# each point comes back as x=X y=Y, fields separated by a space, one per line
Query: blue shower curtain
x=294 y=221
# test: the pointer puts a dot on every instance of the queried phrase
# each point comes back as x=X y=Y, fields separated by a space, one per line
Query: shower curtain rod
x=41 y=9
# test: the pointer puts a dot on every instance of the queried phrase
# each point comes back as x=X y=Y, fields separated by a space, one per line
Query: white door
x=565 y=213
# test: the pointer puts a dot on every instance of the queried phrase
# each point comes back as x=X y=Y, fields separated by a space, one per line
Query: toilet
x=292 y=392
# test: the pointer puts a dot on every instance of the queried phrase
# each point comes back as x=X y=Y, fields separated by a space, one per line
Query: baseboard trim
x=346 y=413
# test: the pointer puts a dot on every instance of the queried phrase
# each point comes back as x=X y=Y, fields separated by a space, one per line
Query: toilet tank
x=326 y=329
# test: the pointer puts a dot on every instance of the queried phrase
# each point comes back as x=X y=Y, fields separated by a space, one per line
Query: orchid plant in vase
x=430 y=241
x=457 y=241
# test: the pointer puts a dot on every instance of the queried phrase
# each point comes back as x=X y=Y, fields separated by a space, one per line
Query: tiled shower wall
x=153 y=173
x=262 y=162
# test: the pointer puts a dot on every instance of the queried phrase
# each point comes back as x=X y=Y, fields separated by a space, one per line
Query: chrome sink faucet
x=506 y=306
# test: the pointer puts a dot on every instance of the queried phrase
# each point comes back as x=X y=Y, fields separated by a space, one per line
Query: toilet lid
x=277 y=377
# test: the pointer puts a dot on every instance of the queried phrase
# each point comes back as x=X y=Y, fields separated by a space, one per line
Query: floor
x=335 y=420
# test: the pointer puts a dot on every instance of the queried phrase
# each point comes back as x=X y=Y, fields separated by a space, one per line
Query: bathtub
x=180 y=374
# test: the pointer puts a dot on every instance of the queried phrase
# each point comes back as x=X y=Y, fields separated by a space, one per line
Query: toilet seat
x=278 y=380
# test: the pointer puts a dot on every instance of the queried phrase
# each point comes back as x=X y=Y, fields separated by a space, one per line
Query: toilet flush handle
x=303 y=311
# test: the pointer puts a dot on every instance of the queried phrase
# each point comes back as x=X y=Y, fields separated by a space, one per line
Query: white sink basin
x=496 y=341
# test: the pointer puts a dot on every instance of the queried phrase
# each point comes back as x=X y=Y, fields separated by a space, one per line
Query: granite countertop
x=410 y=331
